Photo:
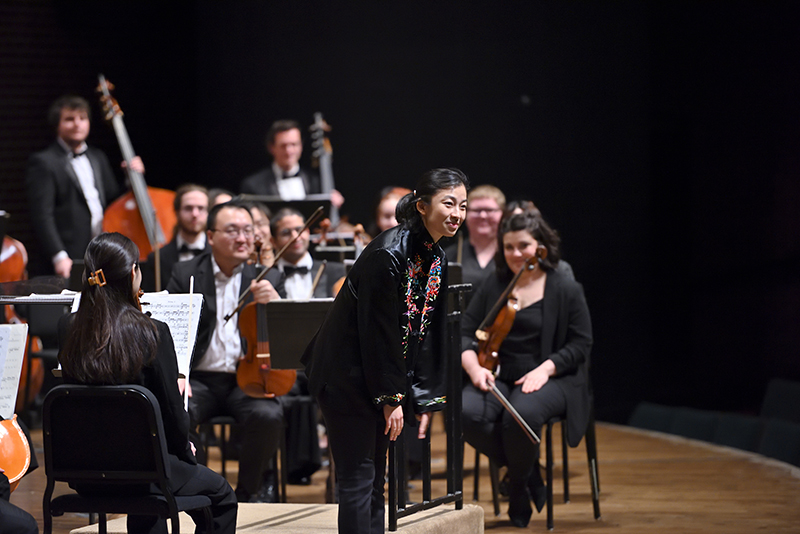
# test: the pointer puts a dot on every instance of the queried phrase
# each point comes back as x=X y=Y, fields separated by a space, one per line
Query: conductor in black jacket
x=69 y=185
x=222 y=275
x=377 y=360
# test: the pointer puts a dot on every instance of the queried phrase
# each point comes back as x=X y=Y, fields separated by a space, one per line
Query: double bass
x=144 y=214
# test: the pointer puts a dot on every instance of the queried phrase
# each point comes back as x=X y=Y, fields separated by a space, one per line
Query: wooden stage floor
x=650 y=482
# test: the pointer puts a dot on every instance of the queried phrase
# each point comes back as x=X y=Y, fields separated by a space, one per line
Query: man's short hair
x=214 y=211
x=283 y=212
x=488 y=191
x=70 y=102
x=182 y=190
x=278 y=127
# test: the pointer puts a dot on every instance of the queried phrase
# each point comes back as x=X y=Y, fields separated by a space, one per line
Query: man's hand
x=136 y=164
x=263 y=291
x=63 y=267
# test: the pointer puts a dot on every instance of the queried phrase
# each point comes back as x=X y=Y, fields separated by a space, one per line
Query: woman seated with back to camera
x=543 y=361
x=109 y=341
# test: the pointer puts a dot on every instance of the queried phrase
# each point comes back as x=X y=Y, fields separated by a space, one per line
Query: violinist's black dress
x=558 y=328
x=383 y=342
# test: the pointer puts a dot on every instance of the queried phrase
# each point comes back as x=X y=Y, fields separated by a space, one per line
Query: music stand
x=292 y=324
x=307 y=206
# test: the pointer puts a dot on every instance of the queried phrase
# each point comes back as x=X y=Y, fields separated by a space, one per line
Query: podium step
x=321 y=518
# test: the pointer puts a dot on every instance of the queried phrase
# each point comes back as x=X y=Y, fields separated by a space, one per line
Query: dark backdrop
x=660 y=139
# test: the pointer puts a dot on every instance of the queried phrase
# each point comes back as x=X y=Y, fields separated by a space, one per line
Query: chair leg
x=284 y=475
x=564 y=460
x=495 y=478
x=594 y=475
x=223 y=448
x=103 y=526
x=476 y=480
x=209 y=520
x=549 y=473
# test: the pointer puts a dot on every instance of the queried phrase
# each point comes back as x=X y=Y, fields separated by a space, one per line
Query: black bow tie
x=289 y=270
x=287 y=175
x=79 y=154
x=185 y=249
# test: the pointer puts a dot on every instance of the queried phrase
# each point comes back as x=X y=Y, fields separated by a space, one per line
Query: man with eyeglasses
x=296 y=264
x=222 y=275
x=191 y=211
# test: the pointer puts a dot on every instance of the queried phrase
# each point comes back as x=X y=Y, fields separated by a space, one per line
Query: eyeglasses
x=482 y=211
x=234 y=231
x=287 y=232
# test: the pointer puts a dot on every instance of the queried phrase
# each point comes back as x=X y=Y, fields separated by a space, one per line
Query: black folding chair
x=108 y=441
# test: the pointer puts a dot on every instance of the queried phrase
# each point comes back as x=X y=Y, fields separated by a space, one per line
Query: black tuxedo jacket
x=169 y=257
x=333 y=272
x=200 y=267
x=264 y=182
x=59 y=213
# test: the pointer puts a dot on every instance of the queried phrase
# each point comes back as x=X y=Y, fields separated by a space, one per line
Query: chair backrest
x=782 y=400
x=104 y=434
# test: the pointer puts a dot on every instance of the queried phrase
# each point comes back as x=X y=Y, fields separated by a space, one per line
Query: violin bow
x=311 y=220
x=515 y=414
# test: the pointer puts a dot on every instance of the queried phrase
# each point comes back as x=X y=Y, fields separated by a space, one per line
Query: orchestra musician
x=222 y=275
x=296 y=264
x=69 y=185
x=136 y=349
x=378 y=358
x=543 y=361
x=384 y=216
x=285 y=178
x=191 y=211
x=264 y=253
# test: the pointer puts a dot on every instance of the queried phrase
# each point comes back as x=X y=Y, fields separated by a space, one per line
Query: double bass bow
x=144 y=214
x=254 y=374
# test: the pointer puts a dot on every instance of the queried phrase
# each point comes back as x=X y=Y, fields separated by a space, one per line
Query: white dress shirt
x=291 y=187
x=298 y=286
x=225 y=347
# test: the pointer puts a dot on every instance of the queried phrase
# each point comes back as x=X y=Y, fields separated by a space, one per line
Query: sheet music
x=173 y=309
x=12 y=352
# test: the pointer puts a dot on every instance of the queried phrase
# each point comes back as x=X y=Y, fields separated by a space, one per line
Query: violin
x=504 y=312
x=144 y=213
x=13 y=267
x=15 y=452
x=254 y=374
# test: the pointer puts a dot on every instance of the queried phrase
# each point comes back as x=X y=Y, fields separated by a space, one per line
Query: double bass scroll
x=144 y=214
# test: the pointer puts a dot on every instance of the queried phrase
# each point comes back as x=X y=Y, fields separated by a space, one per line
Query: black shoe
x=519 y=505
x=269 y=489
x=537 y=489
x=502 y=487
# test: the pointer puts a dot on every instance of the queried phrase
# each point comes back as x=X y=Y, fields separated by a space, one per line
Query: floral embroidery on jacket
x=397 y=397
x=421 y=290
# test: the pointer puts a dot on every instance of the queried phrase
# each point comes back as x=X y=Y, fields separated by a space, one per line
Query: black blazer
x=169 y=257
x=357 y=355
x=566 y=338
x=59 y=213
x=161 y=377
x=200 y=267
x=264 y=183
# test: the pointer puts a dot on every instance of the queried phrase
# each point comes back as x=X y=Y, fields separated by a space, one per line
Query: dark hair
x=213 y=193
x=283 y=212
x=70 y=102
x=534 y=224
x=278 y=127
x=214 y=211
x=428 y=185
x=527 y=206
x=110 y=339
x=260 y=206
x=187 y=188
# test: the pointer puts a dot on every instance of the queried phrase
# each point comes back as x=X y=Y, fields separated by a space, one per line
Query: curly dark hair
x=534 y=224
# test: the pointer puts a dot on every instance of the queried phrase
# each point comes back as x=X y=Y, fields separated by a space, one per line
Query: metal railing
x=398 y=476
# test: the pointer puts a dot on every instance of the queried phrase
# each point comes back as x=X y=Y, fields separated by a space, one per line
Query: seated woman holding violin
x=535 y=354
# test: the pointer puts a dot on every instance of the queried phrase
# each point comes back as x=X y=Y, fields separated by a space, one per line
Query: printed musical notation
x=182 y=319
x=12 y=352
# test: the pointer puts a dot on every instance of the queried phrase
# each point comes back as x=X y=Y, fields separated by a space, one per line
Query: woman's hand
x=481 y=377
x=394 y=420
x=424 y=420
x=534 y=380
